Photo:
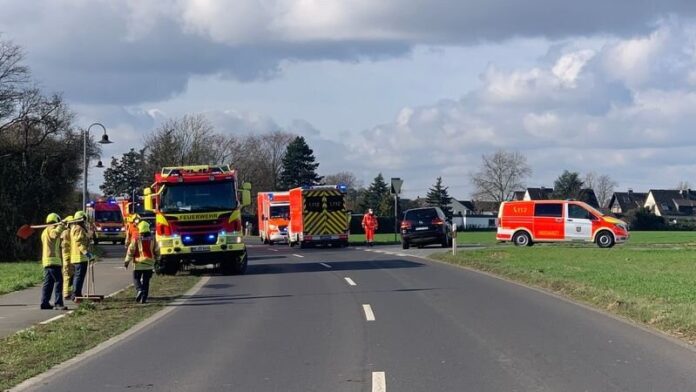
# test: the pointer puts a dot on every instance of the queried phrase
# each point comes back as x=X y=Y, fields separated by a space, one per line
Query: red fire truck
x=318 y=216
x=106 y=221
x=198 y=217
x=274 y=216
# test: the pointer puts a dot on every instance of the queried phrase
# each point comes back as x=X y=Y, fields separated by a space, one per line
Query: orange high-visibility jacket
x=369 y=221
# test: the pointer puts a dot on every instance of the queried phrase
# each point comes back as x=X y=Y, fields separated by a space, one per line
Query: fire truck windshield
x=108 y=216
x=199 y=197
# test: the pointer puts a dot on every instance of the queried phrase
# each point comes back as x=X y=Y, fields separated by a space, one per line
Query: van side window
x=548 y=209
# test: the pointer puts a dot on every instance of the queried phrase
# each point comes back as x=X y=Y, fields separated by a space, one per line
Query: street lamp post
x=104 y=140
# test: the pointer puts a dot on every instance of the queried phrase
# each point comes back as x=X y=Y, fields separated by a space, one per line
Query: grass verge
x=18 y=275
x=656 y=287
x=35 y=350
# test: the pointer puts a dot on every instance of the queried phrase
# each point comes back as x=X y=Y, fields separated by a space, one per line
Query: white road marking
x=350 y=281
x=52 y=319
x=369 y=314
x=379 y=382
x=326 y=265
x=296 y=255
x=402 y=255
x=273 y=250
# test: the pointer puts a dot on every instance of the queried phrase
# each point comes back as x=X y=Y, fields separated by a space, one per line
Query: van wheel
x=522 y=238
x=605 y=239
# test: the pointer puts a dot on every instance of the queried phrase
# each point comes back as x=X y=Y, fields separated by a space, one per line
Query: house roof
x=588 y=196
x=668 y=201
x=540 y=193
x=486 y=206
x=518 y=195
x=628 y=200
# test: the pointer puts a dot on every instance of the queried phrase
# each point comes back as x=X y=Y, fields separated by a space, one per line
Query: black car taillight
x=438 y=221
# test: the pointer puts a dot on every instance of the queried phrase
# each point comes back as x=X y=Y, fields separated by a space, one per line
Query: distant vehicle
x=318 y=216
x=106 y=221
x=274 y=216
x=527 y=222
x=425 y=226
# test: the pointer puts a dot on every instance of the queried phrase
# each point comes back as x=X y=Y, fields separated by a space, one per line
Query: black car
x=425 y=226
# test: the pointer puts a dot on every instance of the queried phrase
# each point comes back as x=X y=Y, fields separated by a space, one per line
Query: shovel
x=27 y=231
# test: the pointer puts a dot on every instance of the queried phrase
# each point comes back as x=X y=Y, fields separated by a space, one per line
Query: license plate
x=421 y=228
x=325 y=237
x=200 y=249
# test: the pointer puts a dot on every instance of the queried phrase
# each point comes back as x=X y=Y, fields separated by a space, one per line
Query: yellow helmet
x=52 y=218
x=69 y=218
x=79 y=215
x=135 y=218
x=143 y=227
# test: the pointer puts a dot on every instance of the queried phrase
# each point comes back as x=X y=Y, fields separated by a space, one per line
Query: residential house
x=542 y=193
x=518 y=195
x=474 y=214
x=673 y=205
x=622 y=203
x=588 y=196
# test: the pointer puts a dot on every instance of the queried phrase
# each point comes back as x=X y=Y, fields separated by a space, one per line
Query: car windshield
x=421 y=215
x=108 y=216
x=199 y=197
x=280 y=211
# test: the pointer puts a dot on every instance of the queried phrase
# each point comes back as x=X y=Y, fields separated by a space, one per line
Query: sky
x=412 y=89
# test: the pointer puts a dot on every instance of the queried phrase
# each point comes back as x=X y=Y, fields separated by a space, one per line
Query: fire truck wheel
x=522 y=238
x=168 y=267
x=605 y=239
x=239 y=267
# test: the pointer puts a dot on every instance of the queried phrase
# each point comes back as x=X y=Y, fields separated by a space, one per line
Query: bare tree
x=344 y=177
x=683 y=185
x=500 y=175
x=603 y=186
x=275 y=144
x=189 y=140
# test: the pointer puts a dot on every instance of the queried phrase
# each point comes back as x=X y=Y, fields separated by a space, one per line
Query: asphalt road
x=295 y=324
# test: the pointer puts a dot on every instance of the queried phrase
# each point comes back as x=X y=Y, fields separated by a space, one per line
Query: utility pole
x=396 y=184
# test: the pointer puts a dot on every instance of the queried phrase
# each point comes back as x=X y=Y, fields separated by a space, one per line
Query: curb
x=43 y=377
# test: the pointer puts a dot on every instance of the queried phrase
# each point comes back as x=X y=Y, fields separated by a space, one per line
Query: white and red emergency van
x=273 y=211
x=527 y=222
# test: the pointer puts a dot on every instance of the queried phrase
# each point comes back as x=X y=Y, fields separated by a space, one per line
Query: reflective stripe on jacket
x=50 y=240
x=79 y=244
x=142 y=252
x=65 y=245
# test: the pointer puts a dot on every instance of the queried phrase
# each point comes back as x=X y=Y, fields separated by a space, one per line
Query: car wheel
x=522 y=238
x=445 y=242
x=605 y=239
x=405 y=244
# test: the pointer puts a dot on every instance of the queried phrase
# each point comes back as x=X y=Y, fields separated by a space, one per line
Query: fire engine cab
x=527 y=222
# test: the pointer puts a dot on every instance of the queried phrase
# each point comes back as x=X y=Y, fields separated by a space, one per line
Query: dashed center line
x=326 y=265
x=350 y=281
x=52 y=319
x=273 y=250
x=296 y=255
x=379 y=382
x=369 y=314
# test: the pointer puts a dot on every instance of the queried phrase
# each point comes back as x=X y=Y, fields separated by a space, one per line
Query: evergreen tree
x=567 y=186
x=439 y=197
x=378 y=198
x=299 y=167
x=124 y=176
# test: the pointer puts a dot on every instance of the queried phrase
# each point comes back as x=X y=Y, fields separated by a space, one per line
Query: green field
x=651 y=280
x=19 y=275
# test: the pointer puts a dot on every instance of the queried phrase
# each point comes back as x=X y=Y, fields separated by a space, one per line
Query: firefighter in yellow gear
x=142 y=252
x=50 y=259
x=79 y=251
x=68 y=267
